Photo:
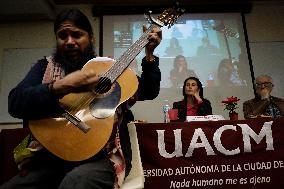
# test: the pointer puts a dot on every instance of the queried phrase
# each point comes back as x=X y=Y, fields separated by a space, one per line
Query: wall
x=265 y=29
x=264 y=24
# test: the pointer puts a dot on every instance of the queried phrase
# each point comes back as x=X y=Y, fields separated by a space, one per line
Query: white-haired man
x=263 y=104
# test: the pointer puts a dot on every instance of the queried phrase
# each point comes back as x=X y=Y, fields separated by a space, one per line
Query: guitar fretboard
x=126 y=58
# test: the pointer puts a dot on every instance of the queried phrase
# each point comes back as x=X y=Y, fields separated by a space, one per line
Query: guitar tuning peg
x=151 y=20
x=170 y=25
x=147 y=16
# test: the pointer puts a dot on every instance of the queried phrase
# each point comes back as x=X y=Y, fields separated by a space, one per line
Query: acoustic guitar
x=86 y=123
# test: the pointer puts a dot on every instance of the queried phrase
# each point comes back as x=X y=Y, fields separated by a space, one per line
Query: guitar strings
x=115 y=70
x=122 y=61
x=85 y=99
x=126 y=60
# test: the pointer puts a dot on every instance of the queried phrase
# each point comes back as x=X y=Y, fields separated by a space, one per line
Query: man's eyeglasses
x=265 y=84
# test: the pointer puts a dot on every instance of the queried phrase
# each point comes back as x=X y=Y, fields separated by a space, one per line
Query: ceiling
x=30 y=10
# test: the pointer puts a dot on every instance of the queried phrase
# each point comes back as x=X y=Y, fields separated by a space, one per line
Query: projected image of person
x=180 y=72
x=264 y=104
x=193 y=30
x=176 y=32
x=228 y=74
x=193 y=103
x=207 y=48
x=174 y=48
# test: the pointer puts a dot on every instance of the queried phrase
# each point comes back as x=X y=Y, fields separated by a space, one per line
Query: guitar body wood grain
x=64 y=139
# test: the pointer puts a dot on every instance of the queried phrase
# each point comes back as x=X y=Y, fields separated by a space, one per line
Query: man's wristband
x=151 y=60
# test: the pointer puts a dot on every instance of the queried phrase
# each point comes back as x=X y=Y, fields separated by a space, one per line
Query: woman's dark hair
x=202 y=111
x=199 y=85
x=176 y=61
x=77 y=17
x=225 y=69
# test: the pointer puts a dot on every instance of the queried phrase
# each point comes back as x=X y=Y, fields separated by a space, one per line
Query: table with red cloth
x=213 y=154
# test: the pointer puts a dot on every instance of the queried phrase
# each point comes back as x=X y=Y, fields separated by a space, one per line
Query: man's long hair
x=77 y=17
x=81 y=21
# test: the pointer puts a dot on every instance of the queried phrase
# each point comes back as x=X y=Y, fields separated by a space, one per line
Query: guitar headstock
x=170 y=16
x=167 y=18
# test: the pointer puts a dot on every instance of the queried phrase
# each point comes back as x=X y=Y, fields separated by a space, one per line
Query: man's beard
x=70 y=64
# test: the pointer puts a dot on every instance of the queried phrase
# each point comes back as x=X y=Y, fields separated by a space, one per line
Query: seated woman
x=193 y=104
x=174 y=48
x=180 y=71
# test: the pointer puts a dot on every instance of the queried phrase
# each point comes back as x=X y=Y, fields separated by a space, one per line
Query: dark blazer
x=257 y=107
x=204 y=109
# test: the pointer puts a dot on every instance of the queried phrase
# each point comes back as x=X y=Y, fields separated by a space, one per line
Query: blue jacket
x=31 y=99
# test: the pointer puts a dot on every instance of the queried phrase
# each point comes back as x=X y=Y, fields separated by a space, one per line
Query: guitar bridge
x=76 y=121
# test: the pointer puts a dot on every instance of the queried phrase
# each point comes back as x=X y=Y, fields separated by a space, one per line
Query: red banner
x=213 y=154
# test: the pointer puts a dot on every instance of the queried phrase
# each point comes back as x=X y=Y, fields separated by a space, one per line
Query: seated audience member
x=180 y=72
x=174 y=48
x=207 y=48
x=263 y=104
x=227 y=74
x=193 y=104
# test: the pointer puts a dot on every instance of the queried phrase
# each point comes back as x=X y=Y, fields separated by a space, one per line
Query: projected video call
x=209 y=49
x=208 y=46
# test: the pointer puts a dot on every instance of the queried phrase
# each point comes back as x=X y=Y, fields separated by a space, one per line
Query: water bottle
x=210 y=80
x=166 y=108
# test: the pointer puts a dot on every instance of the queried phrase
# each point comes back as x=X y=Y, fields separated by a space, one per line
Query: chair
x=135 y=179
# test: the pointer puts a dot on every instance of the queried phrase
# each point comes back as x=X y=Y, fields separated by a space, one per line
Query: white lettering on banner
x=189 y=170
x=158 y=172
x=265 y=131
x=198 y=133
x=178 y=144
x=176 y=184
x=186 y=183
x=257 y=166
x=258 y=180
x=247 y=132
x=206 y=169
x=195 y=176
x=211 y=182
x=237 y=168
x=196 y=169
x=278 y=164
x=218 y=142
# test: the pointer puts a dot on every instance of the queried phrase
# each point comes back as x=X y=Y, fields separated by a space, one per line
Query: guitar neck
x=167 y=18
x=126 y=58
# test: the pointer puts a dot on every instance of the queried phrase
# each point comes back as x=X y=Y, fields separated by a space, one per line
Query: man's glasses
x=265 y=84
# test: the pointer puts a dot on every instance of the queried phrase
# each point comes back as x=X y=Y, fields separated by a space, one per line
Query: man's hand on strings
x=78 y=81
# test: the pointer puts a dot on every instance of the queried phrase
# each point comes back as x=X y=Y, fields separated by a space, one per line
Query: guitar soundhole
x=103 y=86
